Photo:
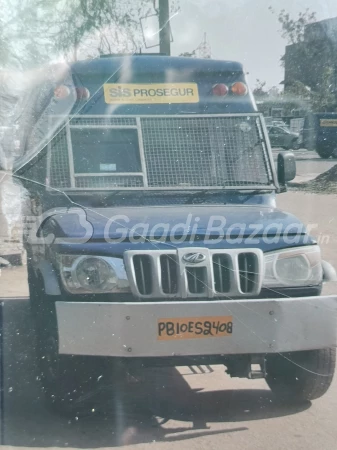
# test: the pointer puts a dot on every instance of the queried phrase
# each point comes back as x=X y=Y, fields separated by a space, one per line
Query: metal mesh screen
x=210 y=151
x=59 y=161
x=103 y=121
x=102 y=182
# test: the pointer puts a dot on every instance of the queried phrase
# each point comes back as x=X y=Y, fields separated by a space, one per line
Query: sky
x=242 y=30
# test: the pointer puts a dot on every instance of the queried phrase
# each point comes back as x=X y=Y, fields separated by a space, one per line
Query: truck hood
x=176 y=224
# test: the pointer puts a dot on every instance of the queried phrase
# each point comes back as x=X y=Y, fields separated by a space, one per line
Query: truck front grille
x=171 y=274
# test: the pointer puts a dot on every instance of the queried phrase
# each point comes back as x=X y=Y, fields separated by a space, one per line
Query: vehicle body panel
x=320 y=129
x=259 y=326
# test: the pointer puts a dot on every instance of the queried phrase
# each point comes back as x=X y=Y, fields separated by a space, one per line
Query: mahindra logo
x=194 y=258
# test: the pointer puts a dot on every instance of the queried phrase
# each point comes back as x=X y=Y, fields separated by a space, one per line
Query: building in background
x=306 y=62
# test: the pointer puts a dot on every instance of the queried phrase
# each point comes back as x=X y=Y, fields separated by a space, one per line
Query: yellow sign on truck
x=328 y=122
x=116 y=93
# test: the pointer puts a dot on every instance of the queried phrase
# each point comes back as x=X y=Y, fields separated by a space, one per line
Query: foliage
x=293 y=29
x=324 y=97
x=37 y=31
x=259 y=90
x=188 y=54
x=299 y=90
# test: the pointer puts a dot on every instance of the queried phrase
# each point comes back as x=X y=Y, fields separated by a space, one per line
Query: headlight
x=96 y=274
x=93 y=274
x=301 y=266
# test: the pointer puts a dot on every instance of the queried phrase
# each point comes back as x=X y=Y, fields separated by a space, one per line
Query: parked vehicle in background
x=279 y=123
x=270 y=122
x=320 y=133
x=281 y=136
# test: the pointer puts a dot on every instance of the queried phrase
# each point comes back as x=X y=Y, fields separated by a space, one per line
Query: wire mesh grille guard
x=59 y=176
x=219 y=151
x=176 y=152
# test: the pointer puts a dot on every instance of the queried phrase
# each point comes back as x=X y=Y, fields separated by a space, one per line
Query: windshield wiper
x=249 y=194
x=200 y=196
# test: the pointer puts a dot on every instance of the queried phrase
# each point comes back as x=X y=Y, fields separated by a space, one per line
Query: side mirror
x=286 y=168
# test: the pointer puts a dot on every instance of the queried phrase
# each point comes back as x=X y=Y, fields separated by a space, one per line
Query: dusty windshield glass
x=168 y=224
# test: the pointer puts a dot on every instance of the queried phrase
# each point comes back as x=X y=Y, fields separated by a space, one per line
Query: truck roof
x=153 y=63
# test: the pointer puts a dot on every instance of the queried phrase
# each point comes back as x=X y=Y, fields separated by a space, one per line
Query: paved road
x=171 y=409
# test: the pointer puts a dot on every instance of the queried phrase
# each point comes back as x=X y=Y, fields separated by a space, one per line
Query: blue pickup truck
x=153 y=235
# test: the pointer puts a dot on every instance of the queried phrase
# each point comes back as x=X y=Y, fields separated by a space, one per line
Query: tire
x=325 y=152
x=70 y=383
x=300 y=376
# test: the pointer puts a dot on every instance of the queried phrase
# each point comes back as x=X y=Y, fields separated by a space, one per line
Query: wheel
x=299 y=376
x=325 y=152
x=70 y=384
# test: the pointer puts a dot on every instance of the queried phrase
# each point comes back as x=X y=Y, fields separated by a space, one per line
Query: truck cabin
x=144 y=123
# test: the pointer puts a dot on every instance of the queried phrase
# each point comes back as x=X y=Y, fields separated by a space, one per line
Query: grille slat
x=247 y=272
x=222 y=270
x=196 y=279
x=143 y=273
x=169 y=274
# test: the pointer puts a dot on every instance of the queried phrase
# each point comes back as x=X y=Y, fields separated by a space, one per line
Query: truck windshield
x=97 y=151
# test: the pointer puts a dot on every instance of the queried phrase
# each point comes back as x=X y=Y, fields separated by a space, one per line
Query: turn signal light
x=61 y=92
x=239 y=88
x=64 y=91
x=82 y=93
x=220 y=90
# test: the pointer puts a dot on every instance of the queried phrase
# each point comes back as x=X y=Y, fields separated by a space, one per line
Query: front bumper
x=259 y=326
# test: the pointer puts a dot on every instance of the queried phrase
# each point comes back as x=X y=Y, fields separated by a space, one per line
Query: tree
x=188 y=54
x=259 y=90
x=293 y=30
x=324 y=97
x=37 y=31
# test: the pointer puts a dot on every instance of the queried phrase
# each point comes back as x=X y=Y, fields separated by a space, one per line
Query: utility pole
x=204 y=49
x=164 y=27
